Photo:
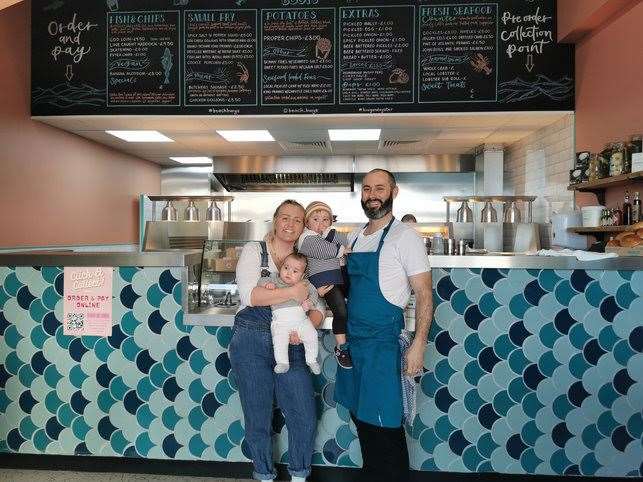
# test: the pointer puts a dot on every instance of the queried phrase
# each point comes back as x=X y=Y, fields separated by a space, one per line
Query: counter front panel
x=528 y=371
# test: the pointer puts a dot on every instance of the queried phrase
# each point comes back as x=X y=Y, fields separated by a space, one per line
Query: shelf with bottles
x=618 y=164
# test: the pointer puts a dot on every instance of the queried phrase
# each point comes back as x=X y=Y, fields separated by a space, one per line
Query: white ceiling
x=423 y=133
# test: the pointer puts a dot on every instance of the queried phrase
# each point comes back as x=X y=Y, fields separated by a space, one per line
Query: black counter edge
x=236 y=470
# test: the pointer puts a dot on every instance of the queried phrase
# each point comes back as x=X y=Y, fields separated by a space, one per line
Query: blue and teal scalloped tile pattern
x=527 y=371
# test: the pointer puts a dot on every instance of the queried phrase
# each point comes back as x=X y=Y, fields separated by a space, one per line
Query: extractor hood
x=325 y=173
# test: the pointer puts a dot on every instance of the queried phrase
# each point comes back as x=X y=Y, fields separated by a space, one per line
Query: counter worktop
x=633 y=263
x=107 y=258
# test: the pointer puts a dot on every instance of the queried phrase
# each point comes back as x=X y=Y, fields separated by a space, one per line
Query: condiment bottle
x=636 y=209
x=617 y=216
x=627 y=210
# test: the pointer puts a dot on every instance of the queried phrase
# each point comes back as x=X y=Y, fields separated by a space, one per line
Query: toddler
x=325 y=248
x=291 y=316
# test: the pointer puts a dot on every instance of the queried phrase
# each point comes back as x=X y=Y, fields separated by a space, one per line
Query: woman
x=251 y=352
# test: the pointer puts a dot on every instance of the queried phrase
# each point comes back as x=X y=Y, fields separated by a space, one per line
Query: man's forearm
x=423 y=308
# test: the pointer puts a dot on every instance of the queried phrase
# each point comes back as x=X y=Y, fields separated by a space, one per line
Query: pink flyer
x=87 y=301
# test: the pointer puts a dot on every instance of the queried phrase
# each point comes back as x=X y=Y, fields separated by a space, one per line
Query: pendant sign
x=87 y=306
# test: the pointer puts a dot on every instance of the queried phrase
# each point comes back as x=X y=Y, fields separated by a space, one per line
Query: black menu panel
x=458 y=59
x=376 y=59
x=143 y=59
x=274 y=57
x=298 y=56
x=220 y=61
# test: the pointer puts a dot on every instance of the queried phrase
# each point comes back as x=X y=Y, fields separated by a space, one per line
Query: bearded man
x=387 y=261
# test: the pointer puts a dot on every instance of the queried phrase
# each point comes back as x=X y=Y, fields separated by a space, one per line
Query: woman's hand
x=294 y=338
x=298 y=292
x=270 y=286
x=307 y=305
x=347 y=250
x=322 y=290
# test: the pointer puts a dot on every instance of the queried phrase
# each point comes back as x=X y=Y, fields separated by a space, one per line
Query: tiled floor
x=10 y=475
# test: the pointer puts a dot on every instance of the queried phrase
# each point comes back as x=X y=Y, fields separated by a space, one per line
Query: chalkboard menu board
x=298 y=56
x=376 y=61
x=142 y=58
x=220 y=61
x=249 y=57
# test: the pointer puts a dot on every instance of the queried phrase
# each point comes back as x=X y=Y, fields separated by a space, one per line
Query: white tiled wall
x=539 y=165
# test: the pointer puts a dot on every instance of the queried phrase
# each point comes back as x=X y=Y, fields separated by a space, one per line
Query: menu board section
x=457 y=53
x=298 y=56
x=377 y=54
x=220 y=60
x=276 y=57
x=143 y=59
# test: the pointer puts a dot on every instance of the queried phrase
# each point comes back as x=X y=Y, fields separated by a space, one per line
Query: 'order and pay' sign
x=87 y=301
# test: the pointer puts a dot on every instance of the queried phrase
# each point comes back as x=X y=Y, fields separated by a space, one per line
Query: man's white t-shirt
x=403 y=254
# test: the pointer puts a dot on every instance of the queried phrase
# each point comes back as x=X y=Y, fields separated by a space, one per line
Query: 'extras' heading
x=348 y=13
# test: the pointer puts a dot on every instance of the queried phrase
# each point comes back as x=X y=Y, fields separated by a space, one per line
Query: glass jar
x=598 y=167
x=617 y=159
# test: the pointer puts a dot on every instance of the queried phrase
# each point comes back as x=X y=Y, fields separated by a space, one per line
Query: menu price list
x=142 y=58
x=376 y=59
x=220 y=57
x=298 y=56
x=458 y=53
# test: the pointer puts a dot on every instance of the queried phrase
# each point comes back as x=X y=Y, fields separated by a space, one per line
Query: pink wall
x=609 y=75
x=609 y=99
x=574 y=15
x=57 y=188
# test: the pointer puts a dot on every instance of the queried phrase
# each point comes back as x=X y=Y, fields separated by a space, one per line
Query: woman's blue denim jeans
x=251 y=356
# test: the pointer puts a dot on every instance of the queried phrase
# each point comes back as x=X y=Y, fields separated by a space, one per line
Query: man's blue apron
x=371 y=390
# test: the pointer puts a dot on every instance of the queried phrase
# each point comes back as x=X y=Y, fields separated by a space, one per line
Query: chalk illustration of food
x=480 y=63
x=322 y=48
x=166 y=62
x=244 y=73
x=398 y=76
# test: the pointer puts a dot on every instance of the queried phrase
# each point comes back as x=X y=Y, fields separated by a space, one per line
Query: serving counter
x=533 y=367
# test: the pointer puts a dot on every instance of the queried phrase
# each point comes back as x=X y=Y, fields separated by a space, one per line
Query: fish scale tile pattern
x=527 y=371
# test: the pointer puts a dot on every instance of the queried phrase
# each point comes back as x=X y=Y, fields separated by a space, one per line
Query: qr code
x=75 y=321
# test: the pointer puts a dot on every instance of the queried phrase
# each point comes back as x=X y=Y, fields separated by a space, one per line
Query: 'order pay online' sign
x=87 y=301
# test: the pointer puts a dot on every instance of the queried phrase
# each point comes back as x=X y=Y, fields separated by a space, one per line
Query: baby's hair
x=298 y=257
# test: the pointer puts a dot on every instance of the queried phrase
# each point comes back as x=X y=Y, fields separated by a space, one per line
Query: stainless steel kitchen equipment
x=213 y=213
x=493 y=236
x=191 y=212
x=323 y=173
x=512 y=213
x=169 y=212
x=464 y=213
x=489 y=214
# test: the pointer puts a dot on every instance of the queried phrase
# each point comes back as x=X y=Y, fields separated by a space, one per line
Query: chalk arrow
x=530 y=62
x=69 y=73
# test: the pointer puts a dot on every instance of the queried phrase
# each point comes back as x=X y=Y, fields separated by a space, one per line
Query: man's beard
x=379 y=212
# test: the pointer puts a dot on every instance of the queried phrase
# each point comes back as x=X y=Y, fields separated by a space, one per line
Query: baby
x=291 y=316
x=325 y=249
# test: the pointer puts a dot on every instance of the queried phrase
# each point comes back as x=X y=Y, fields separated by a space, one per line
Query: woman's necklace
x=278 y=260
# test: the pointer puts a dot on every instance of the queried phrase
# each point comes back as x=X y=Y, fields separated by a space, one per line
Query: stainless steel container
x=512 y=213
x=449 y=246
x=191 y=212
x=169 y=212
x=489 y=214
x=464 y=214
x=213 y=213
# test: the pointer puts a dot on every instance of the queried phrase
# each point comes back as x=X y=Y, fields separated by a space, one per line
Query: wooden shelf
x=605 y=183
x=599 y=229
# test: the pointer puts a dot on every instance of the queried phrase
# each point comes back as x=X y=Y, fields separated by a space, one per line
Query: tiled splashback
x=528 y=371
x=539 y=165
